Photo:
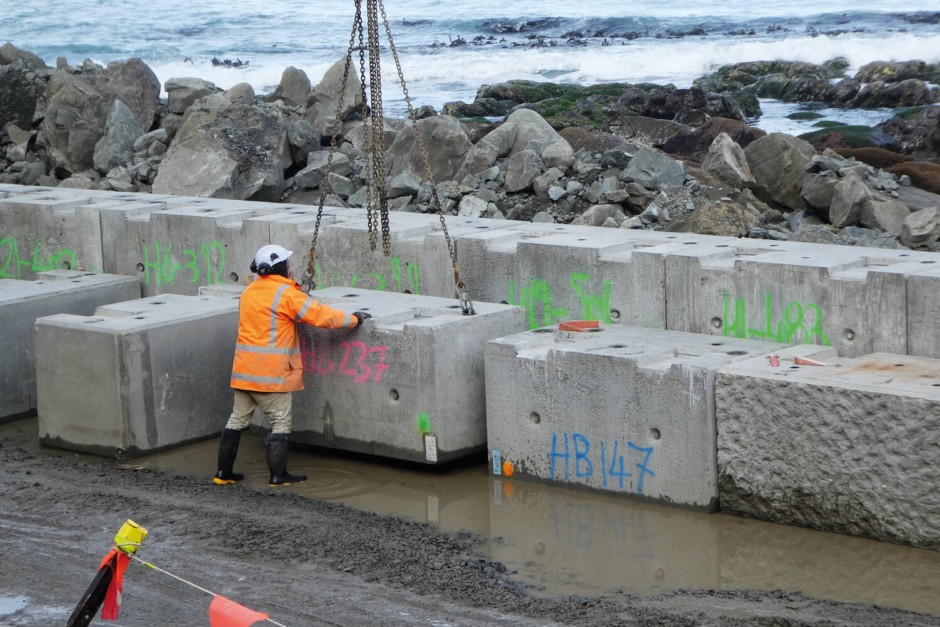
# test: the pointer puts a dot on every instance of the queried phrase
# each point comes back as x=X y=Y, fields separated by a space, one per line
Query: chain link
x=375 y=166
x=308 y=284
x=463 y=295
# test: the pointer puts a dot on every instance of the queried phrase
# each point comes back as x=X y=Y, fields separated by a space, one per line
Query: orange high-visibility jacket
x=267 y=354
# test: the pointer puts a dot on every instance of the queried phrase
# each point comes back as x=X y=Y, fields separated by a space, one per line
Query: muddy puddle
x=566 y=541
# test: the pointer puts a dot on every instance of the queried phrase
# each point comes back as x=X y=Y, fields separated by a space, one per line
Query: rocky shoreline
x=621 y=156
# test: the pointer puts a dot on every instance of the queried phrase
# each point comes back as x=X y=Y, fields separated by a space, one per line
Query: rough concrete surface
x=303 y=561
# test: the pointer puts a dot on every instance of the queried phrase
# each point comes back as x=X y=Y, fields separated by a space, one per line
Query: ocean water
x=448 y=49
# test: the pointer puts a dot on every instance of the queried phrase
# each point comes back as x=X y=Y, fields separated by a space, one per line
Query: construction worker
x=267 y=366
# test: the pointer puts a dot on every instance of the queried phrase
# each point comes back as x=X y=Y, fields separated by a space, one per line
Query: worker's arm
x=309 y=311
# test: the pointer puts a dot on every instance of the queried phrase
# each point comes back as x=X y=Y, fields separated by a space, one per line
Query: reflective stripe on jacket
x=267 y=354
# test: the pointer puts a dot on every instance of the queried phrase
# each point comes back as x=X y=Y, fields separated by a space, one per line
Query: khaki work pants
x=275 y=405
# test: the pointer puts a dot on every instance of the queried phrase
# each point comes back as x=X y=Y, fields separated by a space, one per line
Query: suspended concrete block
x=136 y=377
x=22 y=302
x=848 y=445
x=618 y=409
x=408 y=384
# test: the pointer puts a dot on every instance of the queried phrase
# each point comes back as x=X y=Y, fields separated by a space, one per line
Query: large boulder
x=182 y=93
x=116 y=146
x=654 y=170
x=884 y=214
x=777 y=162
x=294 y=88
x=235 y=151
x=523 y=130
x=850 y=196
x=75 y=118
x=716 y=218
x=726 y=162
x=22 y=88
x=446 y=141
x=913 y=132
x=647 y=131
x=331 y=95
x=694 y=143
x=921 y=228
x=135 y=84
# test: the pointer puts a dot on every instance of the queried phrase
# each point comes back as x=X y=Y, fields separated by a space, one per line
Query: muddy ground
x=303 y=561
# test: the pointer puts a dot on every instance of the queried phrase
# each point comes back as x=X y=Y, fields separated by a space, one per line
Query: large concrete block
x=22 y=302
x=408 y=384
x=623 y=409
x=850 y=298
x=849 y=446
x=39 y=231
x=137 y=377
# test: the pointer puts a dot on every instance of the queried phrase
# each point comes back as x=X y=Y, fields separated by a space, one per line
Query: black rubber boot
x=277 y=460
x=228 y=449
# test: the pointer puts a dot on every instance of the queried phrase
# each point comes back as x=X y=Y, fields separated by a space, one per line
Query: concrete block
x=408 y=385
x=136 y=377
x=22 y=302
x=623 y=409
x=846 y=297
x=39 y=231
x=850 y=446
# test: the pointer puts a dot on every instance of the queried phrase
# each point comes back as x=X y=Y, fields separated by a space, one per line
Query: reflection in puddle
x=564 y=541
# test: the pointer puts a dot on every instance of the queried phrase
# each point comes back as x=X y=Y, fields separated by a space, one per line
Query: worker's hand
x=361 y=315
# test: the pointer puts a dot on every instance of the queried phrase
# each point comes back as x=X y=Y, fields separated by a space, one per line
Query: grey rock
x=116 y=146
x=294 y=88
x=241 y=93
x=328 y=97
x=777 y=162
x=524 y=168
x=849 y=198
x=404 y=184
x=183 y=92
x=446 y=141
x=237 y=152
x=597 y=215
x=543 y=217
x=313 y=175
x=725 y=161
x=884 y=214
x=472 y=207
x=921 y=228
x=654 y=170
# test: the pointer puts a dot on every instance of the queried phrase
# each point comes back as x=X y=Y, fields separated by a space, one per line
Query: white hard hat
x=271 y=255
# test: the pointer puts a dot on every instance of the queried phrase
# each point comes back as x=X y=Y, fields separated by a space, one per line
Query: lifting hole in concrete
x=350 y=295
x=848 y=334
x=717 y=343
x=618 y=345
x=615 y=314
x=899 y=365
x=655 y=434
x=794 y=367
x=140 y=317
x=502 y=302
x=393 y=395
x=594 y=330
x=407 y=292
x=233 y=277
x=158 y=302
x=581 y=239
x=936 y=385
x=483 y=227
x=92 y=321
x=208 y=210
x=140 y=267
x=804 y=257
x=928 y=262
x=543 y=330
x=904 y=255
x=690 y=243
x=535 y=418
x=717 y=323
x=736 y=353
x=453 y=306
x=721 y=246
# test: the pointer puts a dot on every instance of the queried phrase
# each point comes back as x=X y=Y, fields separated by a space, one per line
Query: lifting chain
x=376 y=169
